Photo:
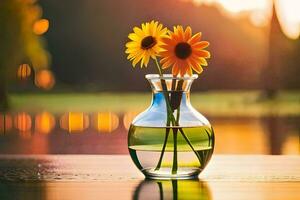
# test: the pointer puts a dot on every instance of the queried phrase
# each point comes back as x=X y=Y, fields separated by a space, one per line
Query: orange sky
x=259 y=12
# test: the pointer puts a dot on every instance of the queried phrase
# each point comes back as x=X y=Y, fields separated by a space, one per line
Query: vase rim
x=170 y=76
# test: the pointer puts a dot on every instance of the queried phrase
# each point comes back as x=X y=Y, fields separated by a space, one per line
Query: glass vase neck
x=169 y=83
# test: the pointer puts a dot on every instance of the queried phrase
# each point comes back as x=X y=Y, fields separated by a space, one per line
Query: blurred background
x=66 y=86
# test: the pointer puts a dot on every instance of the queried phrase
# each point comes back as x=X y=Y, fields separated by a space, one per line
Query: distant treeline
x=86 y=40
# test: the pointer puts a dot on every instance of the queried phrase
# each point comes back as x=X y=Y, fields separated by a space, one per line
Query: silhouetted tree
x=18 y=42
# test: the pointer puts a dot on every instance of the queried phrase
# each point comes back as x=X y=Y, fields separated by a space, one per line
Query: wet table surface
x=115 y=177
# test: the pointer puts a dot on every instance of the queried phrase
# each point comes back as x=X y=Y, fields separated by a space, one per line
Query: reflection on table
x=106 y=133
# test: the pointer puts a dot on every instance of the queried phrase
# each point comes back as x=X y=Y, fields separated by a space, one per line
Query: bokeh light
x=23 y=71
x=291 y=145
x=5 y=123
x=105 y=122
x=74 y=122
x=23 y=123
x=44 y=79
x=41 y=26
x=44 y=122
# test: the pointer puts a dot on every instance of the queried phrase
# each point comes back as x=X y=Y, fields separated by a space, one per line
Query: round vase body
x=170 y=140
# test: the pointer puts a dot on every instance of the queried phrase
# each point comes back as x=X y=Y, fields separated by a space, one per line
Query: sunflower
x=184 y=52
x=145 y=42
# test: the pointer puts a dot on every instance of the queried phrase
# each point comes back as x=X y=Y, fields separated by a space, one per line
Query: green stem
x=175 y=163
x=164 y=87
x=164 y=146
x=175 y=189
x=189 y=143
x=161 y=192
x=170 y=117
x=175 y=131
x=158 y=67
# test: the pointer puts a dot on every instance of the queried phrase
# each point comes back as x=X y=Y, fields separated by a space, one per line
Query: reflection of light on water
x=5 y=123
x=44 y=79
x=260 y=12
x=240 y=137
x=172 y=189
x=22 y=122
x=128 y=117
x=24 y=71
x=291 y=145
x=41 y=26
x=106 y=121
x=74 y=122
x=44 y=122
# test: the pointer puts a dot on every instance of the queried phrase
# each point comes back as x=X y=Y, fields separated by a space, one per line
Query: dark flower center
x=148 y=42
x=183 y=50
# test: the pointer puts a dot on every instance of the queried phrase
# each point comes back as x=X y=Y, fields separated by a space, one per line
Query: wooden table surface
x=115 y=177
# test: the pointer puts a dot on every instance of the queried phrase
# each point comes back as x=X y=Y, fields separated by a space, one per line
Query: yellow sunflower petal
x=159 y=28
x=134 y=37
x=144 y=28
x=137 y=59
x=132 y=50
x=130 y=56
x=132 y=44
x=175 y=70
x=167 y=64
x=202 y=53
x=180 y=33
x=189 y=71
x=203 y=62
x=200 y=45
x=139 y=32
x=147 y=58
x=142 y=61
x=195 y=38
x=182 y=71
x=187 y=33
x=197 y=68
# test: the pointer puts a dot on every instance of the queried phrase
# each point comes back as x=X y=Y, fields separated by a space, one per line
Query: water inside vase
x=171 y=152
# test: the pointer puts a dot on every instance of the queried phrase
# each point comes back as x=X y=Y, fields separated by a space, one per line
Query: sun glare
x=289 y=17
x=260 y=12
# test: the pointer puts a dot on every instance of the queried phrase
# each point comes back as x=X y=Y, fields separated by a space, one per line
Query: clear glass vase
x=170 y=140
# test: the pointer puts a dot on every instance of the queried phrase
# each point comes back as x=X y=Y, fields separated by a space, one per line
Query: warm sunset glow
x=74 y=122
x=233 y=139
x=5 y=123
x=291 y=145
x=23 y=72
x=106 y=122
x=44 y=122
x=41 y=26
x=128 y=117
x=289 y=17
x=44 y=79
x=260 y=12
